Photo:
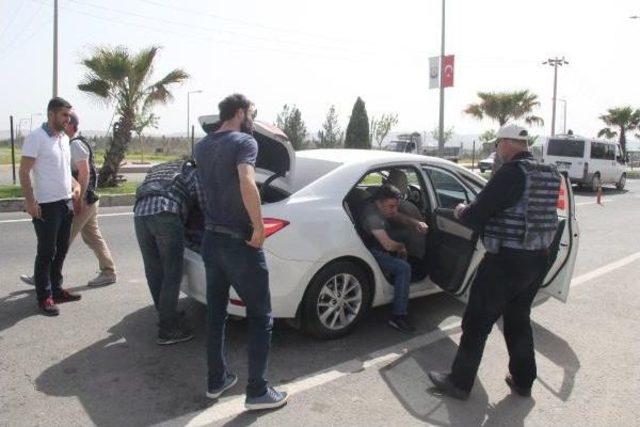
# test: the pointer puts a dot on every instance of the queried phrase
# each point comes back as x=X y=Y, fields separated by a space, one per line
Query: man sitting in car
x=376 y=219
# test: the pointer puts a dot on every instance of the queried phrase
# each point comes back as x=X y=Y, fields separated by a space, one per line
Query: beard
x=247 y=126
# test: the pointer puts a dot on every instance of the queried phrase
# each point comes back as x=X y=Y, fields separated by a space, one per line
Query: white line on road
x=8 y=221
x=235 y=406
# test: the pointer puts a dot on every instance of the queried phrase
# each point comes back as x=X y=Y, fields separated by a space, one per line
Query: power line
x=29 y=23
x=12 y=20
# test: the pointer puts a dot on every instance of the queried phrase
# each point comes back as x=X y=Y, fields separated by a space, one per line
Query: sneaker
x=102 y=279
x=230 y=381
x=63 y=296
x=48 y=307
x=174 y=336
x=27 y=279
x=402 y=324
x=270 y=400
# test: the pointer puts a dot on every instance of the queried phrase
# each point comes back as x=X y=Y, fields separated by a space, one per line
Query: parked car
x=322 y=276
x=487 y=163
x=587 y=162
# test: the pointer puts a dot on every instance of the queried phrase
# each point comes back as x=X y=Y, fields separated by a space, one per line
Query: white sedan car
x=322 y=275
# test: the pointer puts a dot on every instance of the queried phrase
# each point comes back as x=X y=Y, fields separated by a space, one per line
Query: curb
x=106 y=201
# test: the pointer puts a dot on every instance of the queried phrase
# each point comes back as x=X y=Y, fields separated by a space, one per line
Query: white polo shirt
x=51 y=173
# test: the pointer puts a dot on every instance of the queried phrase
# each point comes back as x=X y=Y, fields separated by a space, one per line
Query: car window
x=412 y=191
x=449 y=189
x=565 y=148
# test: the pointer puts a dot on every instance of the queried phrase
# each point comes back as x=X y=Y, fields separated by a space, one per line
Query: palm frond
x=97 y=87
x=607 y=133
x=534 y=120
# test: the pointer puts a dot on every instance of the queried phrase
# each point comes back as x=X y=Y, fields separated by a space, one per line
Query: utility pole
x=13 y=150
x=441 y=122
x=555 y=63
x=55 y=48
x=564 y=120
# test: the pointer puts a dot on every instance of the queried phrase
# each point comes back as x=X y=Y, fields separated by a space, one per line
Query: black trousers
x=52 y=231
x=505 y=285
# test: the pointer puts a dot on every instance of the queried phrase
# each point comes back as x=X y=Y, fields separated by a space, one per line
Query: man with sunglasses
x=232 y=249
x=516 y=214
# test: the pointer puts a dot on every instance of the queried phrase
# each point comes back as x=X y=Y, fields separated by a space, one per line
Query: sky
x=318 y=54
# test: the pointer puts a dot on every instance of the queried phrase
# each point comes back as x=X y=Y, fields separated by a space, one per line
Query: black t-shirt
x=218 y=156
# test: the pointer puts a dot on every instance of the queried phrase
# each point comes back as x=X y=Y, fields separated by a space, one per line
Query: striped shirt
x=153 y=205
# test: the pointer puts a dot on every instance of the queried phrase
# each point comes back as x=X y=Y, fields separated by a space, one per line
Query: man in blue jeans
x=232 y=249
x=375 y=222
x=163 y=201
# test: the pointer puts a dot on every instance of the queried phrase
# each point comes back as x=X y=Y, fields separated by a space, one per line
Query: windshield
x=565 y=148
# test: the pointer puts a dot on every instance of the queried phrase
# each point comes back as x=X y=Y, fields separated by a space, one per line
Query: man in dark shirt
x=375 y=222
x=232 y=249
x=516 y=213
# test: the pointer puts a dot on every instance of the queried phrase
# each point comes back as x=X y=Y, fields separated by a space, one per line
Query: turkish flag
x=447 y=71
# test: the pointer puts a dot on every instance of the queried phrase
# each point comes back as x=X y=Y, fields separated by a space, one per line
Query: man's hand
x=33 y=209
x=78 y=206
x=402 y=252
x=422 y=227
x=457 y=211
x=257 y=238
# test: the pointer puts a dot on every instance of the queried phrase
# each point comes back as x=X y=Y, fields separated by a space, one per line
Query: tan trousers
x=87 y=225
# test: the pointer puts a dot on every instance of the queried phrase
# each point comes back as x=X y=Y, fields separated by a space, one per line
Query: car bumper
x=287 y=279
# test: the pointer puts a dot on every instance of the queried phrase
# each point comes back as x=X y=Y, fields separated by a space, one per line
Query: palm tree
x=623 y=119
x=114 y=75
x=505 y=106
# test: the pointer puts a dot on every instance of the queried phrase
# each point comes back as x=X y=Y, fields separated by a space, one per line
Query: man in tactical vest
x=85 y=220
x=516 y=212
x=164 y=200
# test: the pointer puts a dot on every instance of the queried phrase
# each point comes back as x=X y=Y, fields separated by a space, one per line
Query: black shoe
x=174 y=336
x=402 y=324
x=63 y=296
x=522 y=391
x=443 y=385
x=48 y=307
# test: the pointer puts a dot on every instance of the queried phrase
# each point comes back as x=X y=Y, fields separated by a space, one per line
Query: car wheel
x=481 y=170
x=336 y=300
x=623 y=181
x=595 y=182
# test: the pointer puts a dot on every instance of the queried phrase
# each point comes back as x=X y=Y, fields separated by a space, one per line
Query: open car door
x=564 y=250
x=453 y=253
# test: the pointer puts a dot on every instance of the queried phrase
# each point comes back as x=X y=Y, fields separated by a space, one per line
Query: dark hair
x=231 y=104
x=57 y=103
x=388 y=191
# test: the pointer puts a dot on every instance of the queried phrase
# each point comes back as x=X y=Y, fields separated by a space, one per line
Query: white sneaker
x=102 y=279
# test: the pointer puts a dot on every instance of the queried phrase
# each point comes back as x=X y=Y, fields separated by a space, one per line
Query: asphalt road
x=97 y=363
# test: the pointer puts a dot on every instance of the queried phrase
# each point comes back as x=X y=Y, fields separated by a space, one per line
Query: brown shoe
x=48 y=307
x=63 y=296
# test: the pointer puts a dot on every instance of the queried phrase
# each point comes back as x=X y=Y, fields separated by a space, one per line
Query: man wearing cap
x=516 y=213
x=48 y=187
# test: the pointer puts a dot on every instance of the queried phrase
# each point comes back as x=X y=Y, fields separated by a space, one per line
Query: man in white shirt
x=48 y=188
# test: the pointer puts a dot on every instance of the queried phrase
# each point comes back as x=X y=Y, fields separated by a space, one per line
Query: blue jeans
x=401 y=271
x=161 y=240
x=231 y=262
x=52 y=231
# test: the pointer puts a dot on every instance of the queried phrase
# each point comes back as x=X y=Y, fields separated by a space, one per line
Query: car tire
x=481 y=170
x=335 y=301
x=595 y=182
x=622 y=183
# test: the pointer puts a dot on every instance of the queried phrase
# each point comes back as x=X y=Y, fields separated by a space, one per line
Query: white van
x=586 y=161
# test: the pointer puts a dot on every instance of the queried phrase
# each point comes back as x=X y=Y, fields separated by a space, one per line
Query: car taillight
x=562 y=198
x=273 y=225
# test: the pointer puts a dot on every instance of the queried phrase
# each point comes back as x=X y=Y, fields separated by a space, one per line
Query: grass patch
x=5 y=156
x=12 y=191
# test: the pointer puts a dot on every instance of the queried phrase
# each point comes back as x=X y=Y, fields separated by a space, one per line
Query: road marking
x=605 y=269
x=8 y=221
x=235 y=406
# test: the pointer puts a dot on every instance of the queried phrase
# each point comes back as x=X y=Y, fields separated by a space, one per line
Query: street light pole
x=555 y=62
x=564 y=120
x=55 y=48
x=441 y=121
x=188 y=108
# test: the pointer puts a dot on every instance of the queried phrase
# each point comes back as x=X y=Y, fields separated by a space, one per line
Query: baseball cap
x=513 y=132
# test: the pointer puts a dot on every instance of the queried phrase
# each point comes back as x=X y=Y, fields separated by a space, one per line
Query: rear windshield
x=565 y=148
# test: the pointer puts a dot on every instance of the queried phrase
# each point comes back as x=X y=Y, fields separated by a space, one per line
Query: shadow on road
x=408 y=380
x=126 y=379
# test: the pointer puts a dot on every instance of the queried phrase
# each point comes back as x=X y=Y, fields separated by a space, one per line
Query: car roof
x=367 y=157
